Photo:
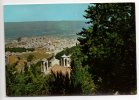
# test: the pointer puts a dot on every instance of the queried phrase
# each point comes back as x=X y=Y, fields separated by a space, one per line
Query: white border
x=12 y=2
x=2 y=65
x=2 y=53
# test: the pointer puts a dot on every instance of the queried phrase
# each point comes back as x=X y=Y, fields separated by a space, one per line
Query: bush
x=18 y=49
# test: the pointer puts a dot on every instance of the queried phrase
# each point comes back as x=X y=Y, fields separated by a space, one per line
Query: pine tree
x=109 y=46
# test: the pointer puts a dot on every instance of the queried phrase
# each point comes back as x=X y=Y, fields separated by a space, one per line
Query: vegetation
x=30 y=83
x=66 y=51
x=18 y=49
x=81 y=79
x=30 y=58
x=109 y=48
x=33 y=83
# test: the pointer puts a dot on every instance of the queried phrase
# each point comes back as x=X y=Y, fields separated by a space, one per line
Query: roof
x=44 y=59
x=64 y=56
x=53 y=59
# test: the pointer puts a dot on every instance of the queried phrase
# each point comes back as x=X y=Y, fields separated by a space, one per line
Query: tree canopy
x=109 y=46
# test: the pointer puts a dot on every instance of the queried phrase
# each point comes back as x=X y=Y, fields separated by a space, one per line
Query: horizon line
x=42 y=21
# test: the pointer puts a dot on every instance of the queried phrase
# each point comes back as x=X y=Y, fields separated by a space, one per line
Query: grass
x=12 y=59
x=21 y=59
x=36 y=55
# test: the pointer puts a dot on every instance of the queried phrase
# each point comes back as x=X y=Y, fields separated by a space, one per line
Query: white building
x=65 y=61
x=44 y=65
x=53 y=62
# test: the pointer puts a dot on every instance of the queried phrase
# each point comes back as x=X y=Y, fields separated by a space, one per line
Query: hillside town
x=44 y=48
x=51 y=44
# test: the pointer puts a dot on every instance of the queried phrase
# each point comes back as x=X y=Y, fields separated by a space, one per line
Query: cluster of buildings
x=51 y=44
x=46 y=65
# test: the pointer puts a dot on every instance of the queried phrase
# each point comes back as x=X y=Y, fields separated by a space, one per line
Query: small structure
x=53 y=62
x=65 y=61
x=44 y=65
x=57 y=70
x=56 y=65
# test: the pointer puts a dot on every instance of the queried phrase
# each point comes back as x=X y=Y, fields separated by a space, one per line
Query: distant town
x=41 y=48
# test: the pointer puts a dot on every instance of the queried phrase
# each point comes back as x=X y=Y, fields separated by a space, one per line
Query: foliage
x=66 y=51
x=30 y=58
x=109 y=46
x=29 y=83
x=18 y=49
x=33 y=83
x=83 y=80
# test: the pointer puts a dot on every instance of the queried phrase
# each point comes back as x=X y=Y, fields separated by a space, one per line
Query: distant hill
x=55 y=28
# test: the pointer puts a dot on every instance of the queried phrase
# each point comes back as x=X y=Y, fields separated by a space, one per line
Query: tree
x=30 y=58
x=109 y=46
x=30 y=83
x=81 y=80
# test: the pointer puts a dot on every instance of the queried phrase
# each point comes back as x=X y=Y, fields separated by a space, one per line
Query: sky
x=44 y=12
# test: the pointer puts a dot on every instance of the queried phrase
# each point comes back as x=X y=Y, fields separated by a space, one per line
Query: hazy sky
x=44 y=12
